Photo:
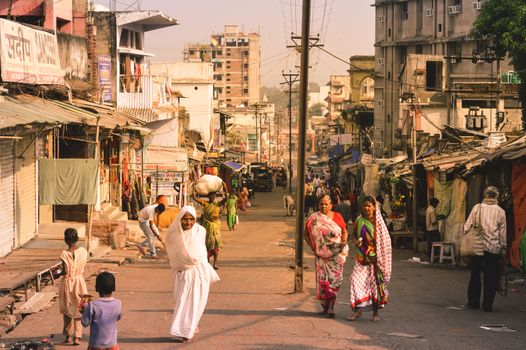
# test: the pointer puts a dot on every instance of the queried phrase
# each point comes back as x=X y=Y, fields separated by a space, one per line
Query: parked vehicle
x=263 y=179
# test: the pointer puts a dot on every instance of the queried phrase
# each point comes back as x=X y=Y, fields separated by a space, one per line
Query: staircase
x=113 y=227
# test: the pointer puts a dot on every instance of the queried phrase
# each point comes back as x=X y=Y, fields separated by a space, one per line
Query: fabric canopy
x=67 y=181
x=234 y=166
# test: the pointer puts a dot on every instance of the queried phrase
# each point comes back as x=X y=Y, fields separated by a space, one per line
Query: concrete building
x=236 y=57
x=319 y=97
x=122 y=73
x=194 y=83
x=360 y=115
x=412 y=39
x=64 y=16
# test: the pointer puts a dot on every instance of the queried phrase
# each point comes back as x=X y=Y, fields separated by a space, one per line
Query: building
x=122 y=76
x=318 y=97
x=236 y=57
x=412 y=40
x=194 y=84
x=64 y=16
x=360 y=115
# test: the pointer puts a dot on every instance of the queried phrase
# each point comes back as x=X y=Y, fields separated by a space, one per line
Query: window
x=434 y=75
x=245 y=65
x=219 y=52
x=228 y=67
x=403 y=54
x=138 y=41
x=389 y=32
x=245 y=78
x=245 y=53
x=405 y=11
x=125 y=38
x=419 y=49
x=440 y=27
x=218 y=77
x=218 y=65
x=466 y=104
x=245 y=91
x=227 y=79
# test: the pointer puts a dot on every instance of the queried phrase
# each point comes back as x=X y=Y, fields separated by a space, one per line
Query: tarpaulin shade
x=234 y=166
x=67 y=181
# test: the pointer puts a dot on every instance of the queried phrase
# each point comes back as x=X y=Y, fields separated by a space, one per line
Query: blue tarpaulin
x=234 y=166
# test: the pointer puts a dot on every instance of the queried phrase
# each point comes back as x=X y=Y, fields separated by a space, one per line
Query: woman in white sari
x=193 y=275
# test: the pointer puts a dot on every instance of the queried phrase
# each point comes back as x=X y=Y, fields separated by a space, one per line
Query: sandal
x=355 y=316
x=76 y=341
x=68 y=340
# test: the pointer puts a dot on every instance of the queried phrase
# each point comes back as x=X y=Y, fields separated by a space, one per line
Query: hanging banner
x=104 y=67
x=28 y=55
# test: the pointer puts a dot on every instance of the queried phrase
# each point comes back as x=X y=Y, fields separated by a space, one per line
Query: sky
x=346 y=28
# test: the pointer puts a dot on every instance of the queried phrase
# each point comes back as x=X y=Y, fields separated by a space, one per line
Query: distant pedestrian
x=72 y=286
x=212 y=224
x=372 y=270
x=193 y=275
x=432 y=232
x=493 y=221
x=102 y=315
x=326 y=235
x=147 y=218
x=231 y=211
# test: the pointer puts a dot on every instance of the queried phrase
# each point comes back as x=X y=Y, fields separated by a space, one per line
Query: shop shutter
x=7 y=207
x=25 y=193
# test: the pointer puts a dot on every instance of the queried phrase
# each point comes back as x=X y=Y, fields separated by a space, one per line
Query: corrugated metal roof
x=27 y=109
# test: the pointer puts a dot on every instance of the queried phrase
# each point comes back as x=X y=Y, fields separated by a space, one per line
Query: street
x=252 y=307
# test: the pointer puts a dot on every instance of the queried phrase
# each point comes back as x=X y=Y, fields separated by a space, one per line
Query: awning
x=28 y=109
x=236 y=167
x=166 y=158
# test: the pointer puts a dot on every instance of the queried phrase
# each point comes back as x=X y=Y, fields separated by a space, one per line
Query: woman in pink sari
x=326 y=235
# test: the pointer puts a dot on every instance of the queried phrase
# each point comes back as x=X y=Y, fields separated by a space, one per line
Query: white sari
x=193 y=275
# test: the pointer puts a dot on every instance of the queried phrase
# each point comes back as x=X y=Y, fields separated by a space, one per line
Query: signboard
x=340 y=139
x=28 y=55
x=104 y=67
x=166 y=158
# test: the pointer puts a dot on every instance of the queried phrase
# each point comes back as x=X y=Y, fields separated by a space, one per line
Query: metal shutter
x=26 y=208
x=7 y=200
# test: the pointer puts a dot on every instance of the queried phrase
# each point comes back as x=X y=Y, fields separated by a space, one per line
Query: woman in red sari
x=327 y=236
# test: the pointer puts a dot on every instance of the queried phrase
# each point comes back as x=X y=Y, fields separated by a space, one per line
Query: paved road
x=252 y=307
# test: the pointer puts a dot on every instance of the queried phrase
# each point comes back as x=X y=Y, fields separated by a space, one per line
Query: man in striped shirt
x=493 y=221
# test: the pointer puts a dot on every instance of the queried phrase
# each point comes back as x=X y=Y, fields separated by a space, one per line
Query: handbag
x=472 y=243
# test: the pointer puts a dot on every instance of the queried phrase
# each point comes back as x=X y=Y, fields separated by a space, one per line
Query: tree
x=316 y=110
x=502 y=25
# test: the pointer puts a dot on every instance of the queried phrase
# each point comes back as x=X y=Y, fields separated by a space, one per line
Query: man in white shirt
x=147 y=217
x=493 y=221
x=432 y=233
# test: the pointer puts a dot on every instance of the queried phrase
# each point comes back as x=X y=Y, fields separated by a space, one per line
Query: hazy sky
x=346 y=28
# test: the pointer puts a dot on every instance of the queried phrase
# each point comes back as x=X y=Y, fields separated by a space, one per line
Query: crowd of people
x=336 y=223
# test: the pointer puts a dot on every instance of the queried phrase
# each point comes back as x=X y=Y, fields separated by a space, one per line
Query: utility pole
x=256 y=107
x=267 y=118
x=413 y=171
x=302 y=128
x=290 y=79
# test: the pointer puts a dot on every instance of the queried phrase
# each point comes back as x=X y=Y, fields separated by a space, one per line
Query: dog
x=289 y=205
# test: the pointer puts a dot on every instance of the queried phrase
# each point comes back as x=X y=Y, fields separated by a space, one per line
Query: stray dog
x=289 y=205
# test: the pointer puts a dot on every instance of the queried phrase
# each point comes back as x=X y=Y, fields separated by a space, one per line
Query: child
x=72 y=286
x=102 y=314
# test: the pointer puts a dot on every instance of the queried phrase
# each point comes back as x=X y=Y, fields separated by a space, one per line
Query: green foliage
x=316 y=110
x=502 y=24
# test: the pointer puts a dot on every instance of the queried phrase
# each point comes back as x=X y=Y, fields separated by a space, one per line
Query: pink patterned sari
x=325 y=238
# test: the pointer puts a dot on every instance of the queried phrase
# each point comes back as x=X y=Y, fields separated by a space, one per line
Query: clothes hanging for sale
x=67 y=181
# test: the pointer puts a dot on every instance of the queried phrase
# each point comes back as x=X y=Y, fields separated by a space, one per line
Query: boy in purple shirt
x=102 y=315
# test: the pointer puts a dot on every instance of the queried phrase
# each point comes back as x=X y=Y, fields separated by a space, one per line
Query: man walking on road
x=147 y=217
x=493 y=222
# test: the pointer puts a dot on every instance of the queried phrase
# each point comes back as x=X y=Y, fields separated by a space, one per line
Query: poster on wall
x=104 y=67
x=28 y=55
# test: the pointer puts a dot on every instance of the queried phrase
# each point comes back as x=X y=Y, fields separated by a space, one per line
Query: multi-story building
x=412 y=40
x=236 y=58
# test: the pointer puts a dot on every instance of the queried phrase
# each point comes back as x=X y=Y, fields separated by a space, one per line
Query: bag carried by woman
x=472 y=243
